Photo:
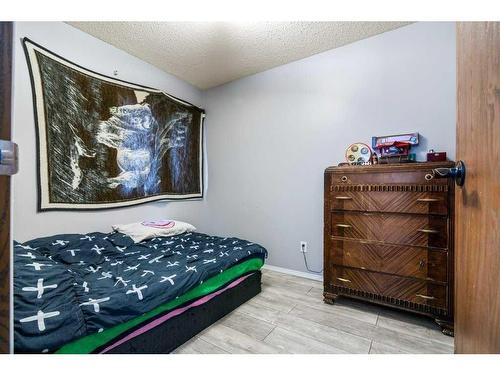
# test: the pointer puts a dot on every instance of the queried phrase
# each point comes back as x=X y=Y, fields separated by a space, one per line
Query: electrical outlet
x=303 y=246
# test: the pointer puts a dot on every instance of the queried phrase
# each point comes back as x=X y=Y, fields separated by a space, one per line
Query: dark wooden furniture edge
x=390 y=167
x=5 y=133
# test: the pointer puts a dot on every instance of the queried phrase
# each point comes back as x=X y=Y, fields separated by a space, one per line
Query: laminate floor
x=289 y=316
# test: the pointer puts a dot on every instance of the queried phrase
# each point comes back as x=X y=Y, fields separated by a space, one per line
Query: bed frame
x=174 y=332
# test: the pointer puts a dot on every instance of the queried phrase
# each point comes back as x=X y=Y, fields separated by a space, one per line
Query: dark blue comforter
x=68 y=286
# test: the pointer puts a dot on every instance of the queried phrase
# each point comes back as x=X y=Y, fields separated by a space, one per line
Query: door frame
x=6 y=38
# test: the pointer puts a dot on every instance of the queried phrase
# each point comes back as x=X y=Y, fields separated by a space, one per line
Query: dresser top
x=389 y=167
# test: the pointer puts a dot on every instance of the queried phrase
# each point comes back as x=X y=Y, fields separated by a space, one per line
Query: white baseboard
x=288 y=271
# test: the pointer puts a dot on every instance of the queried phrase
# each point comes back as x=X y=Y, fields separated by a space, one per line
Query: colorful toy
x=395 y=148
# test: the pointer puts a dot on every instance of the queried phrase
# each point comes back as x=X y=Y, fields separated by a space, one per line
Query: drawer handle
x=343 y=280
x=427 y=200
x=343 y=198
x=343 y=225
x=425 y=297
x=428 y=231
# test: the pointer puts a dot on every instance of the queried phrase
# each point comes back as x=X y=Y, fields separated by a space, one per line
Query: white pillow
x=149 y=229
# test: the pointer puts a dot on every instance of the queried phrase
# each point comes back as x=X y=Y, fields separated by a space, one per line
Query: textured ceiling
x=208 y=54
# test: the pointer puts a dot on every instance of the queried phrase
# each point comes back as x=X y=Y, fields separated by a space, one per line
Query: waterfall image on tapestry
x=140 y=143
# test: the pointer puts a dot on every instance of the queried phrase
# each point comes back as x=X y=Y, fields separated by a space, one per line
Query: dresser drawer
x=397 y=229
x=425 y=264
x=391 y=201
x=397 y=287
x=386 y=176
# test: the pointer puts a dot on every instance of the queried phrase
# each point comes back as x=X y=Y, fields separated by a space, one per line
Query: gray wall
x=103 y=58
x=271 y=135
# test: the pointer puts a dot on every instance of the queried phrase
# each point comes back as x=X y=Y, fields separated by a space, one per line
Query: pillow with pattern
x=156 y=228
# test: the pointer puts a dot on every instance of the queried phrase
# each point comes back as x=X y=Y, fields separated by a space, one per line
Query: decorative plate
x=358 y=153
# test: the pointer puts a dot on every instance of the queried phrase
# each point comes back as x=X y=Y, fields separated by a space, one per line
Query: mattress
x=90 y=288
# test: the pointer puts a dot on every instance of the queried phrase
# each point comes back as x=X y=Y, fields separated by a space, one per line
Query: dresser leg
x=446 y=327
x=329 y=298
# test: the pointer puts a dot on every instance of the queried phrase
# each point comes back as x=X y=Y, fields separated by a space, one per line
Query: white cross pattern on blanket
x=193 y=268
x=133 y=252
x=95 y=303
x=145 y=272
x=170 y=279
x=119 y=279
x=85 y=287
x=137 y=290
x=40 y=288
x=38 y=266
x=73 y=251
x=94 y=270
x=26 y=247
x=60 y=243
x=170 y=264
x=27 y=255
x=97 y=249
x=40 y=318
x=144 y=257
x=87 y=237
x=130 y=268
x=105 y=275
x=207 y=261
x=156 y=260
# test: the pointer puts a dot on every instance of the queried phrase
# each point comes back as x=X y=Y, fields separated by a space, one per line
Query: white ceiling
x=208 y=54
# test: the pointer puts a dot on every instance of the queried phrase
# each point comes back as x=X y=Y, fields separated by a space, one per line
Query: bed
x=103 y=293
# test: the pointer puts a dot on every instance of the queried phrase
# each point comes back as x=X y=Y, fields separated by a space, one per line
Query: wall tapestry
x=103 y=142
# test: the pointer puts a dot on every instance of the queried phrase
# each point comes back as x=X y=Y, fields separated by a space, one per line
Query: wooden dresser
x=388 y=237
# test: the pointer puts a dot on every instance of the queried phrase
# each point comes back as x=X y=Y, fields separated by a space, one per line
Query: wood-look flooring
x=289 y=316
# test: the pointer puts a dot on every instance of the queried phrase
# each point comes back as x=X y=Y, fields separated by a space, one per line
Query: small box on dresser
x=388 y=237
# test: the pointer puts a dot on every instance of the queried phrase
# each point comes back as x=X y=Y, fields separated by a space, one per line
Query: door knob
x=8 y=158
x=457 y=173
